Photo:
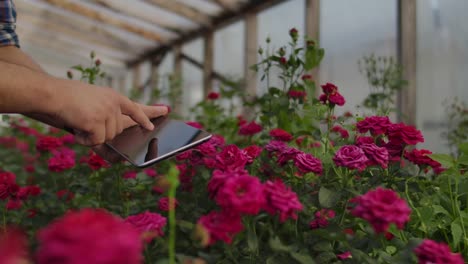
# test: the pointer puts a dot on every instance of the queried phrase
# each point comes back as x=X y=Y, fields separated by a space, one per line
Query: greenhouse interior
x=233 y=131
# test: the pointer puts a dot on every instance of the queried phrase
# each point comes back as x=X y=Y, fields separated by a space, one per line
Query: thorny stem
x=174 y=183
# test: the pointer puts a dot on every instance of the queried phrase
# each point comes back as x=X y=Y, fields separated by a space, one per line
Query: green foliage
x=385 y=79
x=439 y=202
x=457 y=128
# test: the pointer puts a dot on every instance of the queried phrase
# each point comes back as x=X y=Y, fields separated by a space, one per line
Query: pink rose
x=148 y=224
x=281 y=200
x=351 y=157
x=431 y=252
x=150 y=172
x=163 y=204
x=376 y=155
x=92 y=236
x=321 y=218
x=287 y=154
x=275 y=146
x=307 y=163
x=381 y=207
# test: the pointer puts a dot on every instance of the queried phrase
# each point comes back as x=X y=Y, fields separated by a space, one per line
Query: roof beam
x=119 y=9
x=214 y=74
x=254 y=6
x=183 y=10
x=34 y=31
x=31 y=9
x=74 y=31
x=99 y=16
x=226 y=4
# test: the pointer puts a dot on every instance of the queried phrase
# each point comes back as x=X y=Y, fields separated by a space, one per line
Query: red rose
x=61 y=160
x=280 y=134
x=130 y=175
x=431 y=252
x=329 y=88
x=92 y=236
x=377 y=125
x=95 y=162
x=48 y=143
x=242 y=194
x=148 y=224
x=65 y=195
x=420 y=157
x=194 y=124
x=252 y=152
x=296 y=94
x=283 y=61
x=7 y=184
x=219 y=178
x=250 y=129
x=281 y=200
x=14 y=204
x=221 y=226
x=213 y=95
x=231 y=158
x=401 y=133
x=13 y=247
x=381 y=207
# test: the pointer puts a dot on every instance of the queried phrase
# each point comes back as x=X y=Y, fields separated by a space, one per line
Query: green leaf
x=444 y=159
x=252 y=240
x=463 y=148
x=276 y=245
x=327 y=198
x=323 y=246
x=440 y=210
x=456 y=232
x=391 y=250
x=313 y=56
x=302 y=257
x=463 y=159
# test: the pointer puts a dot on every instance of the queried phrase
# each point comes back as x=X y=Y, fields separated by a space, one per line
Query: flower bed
x=290 y=183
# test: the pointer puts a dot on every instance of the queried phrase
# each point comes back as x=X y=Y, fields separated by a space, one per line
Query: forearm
x=23 y=90
x=14 y=55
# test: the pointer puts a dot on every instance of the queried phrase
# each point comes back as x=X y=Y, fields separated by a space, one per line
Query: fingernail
x=168 y=107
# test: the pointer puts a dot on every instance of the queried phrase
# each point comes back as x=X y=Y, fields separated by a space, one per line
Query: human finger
x=132 y=109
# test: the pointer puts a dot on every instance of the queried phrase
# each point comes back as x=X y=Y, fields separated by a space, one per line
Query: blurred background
x=135 y=40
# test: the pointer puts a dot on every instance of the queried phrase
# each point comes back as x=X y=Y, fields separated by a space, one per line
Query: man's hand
x=150 y=111
x=94 y=112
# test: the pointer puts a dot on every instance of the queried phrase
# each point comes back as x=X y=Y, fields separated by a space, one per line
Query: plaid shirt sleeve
x=8 y=24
